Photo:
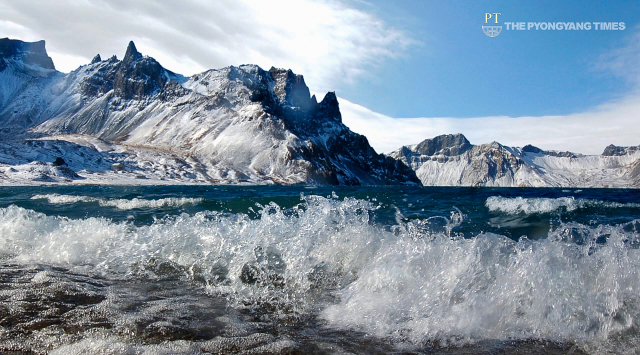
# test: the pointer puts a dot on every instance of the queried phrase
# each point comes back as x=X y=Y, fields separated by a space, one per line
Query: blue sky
x=457 y=71
x=403 y=70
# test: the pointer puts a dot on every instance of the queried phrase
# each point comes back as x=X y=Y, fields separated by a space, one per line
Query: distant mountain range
x=450 y=160
x=132 y=121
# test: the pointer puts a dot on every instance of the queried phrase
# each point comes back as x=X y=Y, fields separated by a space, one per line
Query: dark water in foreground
x=318 y=270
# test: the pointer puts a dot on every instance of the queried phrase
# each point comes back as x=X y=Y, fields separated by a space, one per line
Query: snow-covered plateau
x=131 y=121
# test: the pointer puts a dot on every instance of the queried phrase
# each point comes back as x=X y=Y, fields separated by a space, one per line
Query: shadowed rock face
x=138 y=76
x=291 y=89
x=31 y=53
x=96 y=59
x=531 y=149
x=135 y=77
x=535 y=150
x=329 y=108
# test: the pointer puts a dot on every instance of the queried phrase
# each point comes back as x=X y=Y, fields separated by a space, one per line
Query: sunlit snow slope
x=450 y=160
x=118 y=121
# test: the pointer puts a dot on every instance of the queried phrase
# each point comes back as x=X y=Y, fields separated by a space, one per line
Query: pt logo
x=491 y=31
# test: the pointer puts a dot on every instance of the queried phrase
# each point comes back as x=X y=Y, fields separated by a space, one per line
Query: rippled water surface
x=318 y=270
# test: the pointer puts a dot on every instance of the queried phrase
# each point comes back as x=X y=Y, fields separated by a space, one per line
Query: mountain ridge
x=132 y=121
x=230 y=125
x=450 y=160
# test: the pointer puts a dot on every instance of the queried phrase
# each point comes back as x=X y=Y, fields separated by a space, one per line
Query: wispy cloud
x=587 y=132
x=329 y=42
x=624 y=61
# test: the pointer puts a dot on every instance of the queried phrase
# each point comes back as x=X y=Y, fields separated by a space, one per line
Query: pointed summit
x=132 y=53
x=329 y=107
x=96 y=59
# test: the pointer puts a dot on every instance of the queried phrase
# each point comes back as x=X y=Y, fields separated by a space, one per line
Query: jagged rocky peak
x=329 y=107
x=138 y=76
x=132 y=54
x=291 y=89
x=135 y=77
x=31 y=53
x=96 y=59
x=446 y=144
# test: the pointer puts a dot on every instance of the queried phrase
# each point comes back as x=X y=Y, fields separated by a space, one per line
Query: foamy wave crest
x=516 y=205
x=410 y=282
x=121 y=204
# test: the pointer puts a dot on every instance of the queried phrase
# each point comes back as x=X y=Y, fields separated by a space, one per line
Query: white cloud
x=615 y=122
x=624 y=61
x=588 y=133
x=329 y=42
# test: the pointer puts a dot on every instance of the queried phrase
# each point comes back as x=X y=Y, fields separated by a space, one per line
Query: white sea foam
x=121 y=204
x=410 y=282
x=253 y=344
x=533 y=205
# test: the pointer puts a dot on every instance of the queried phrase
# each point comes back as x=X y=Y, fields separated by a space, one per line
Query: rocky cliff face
x=33 y=53
x=450 y=160
x=235 y=124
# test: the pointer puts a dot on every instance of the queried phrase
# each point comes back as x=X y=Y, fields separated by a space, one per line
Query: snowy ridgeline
x=450 y=160
x=131 y=121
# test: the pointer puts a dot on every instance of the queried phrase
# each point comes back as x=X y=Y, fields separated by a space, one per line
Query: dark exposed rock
x=563 y=154
x=535 y=150
x=135 y=77
x=31 y=53
x=172 y=90
x=329 y=108
x=59 y=162
x=67 y=173
x=132 y=54
x=531 y=149
x=291 y=89
x=96 y=59
x=138 y=76
x=613 y=150
x=101 y=81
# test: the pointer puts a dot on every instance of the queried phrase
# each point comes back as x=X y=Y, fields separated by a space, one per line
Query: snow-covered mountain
x=133 y=121
x=132 y=118
x=450 y=160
